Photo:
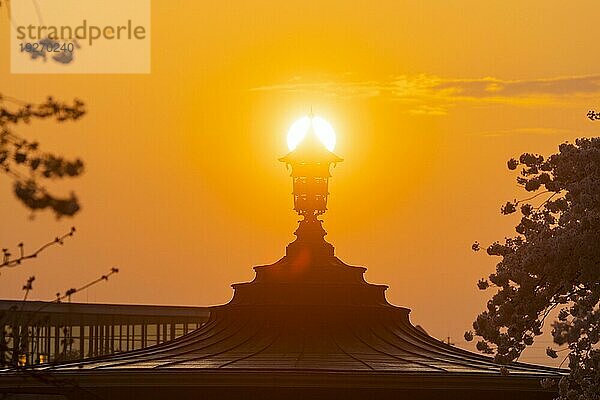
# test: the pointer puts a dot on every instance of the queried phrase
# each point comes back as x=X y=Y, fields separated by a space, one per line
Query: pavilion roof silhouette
x=307 y=325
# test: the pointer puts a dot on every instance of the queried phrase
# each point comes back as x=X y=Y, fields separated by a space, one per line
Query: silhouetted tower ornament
x=310 y=164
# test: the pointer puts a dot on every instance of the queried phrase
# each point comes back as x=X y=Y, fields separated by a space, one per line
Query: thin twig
x=547 y=200
x=9 y=262
x=533 y=197
x=563 y=361
x=72 y=291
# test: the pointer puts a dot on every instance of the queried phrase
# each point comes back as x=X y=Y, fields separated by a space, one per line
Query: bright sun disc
x=301 y=127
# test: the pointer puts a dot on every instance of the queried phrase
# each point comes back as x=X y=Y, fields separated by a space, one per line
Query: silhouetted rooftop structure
x=307 y=326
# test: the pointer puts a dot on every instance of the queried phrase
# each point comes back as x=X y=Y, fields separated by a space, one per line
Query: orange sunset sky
x=429 y=99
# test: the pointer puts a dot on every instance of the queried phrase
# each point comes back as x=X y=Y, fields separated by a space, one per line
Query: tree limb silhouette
x=24 y=162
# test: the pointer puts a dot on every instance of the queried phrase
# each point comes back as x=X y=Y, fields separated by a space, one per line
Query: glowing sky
x=183 y=190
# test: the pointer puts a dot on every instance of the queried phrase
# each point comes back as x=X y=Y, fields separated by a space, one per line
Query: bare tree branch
x=9 y=261
x=68 y=293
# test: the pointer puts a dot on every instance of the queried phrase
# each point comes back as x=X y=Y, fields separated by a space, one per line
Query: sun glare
x=320 y=127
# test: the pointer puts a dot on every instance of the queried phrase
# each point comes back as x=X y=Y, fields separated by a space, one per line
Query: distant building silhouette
x=68 y=331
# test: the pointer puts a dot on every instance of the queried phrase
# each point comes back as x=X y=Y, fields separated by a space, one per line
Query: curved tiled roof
x=331 y=338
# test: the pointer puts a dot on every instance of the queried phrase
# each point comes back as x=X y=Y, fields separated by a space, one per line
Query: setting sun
x=320 y=127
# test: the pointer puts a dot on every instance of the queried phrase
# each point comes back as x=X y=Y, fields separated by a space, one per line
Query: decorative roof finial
x=310 y=165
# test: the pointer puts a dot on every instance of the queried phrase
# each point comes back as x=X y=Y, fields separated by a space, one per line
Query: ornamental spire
x=310 y=163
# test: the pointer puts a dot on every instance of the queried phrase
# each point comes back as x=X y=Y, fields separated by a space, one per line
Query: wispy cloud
x=433 y=95
x=537 y=131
